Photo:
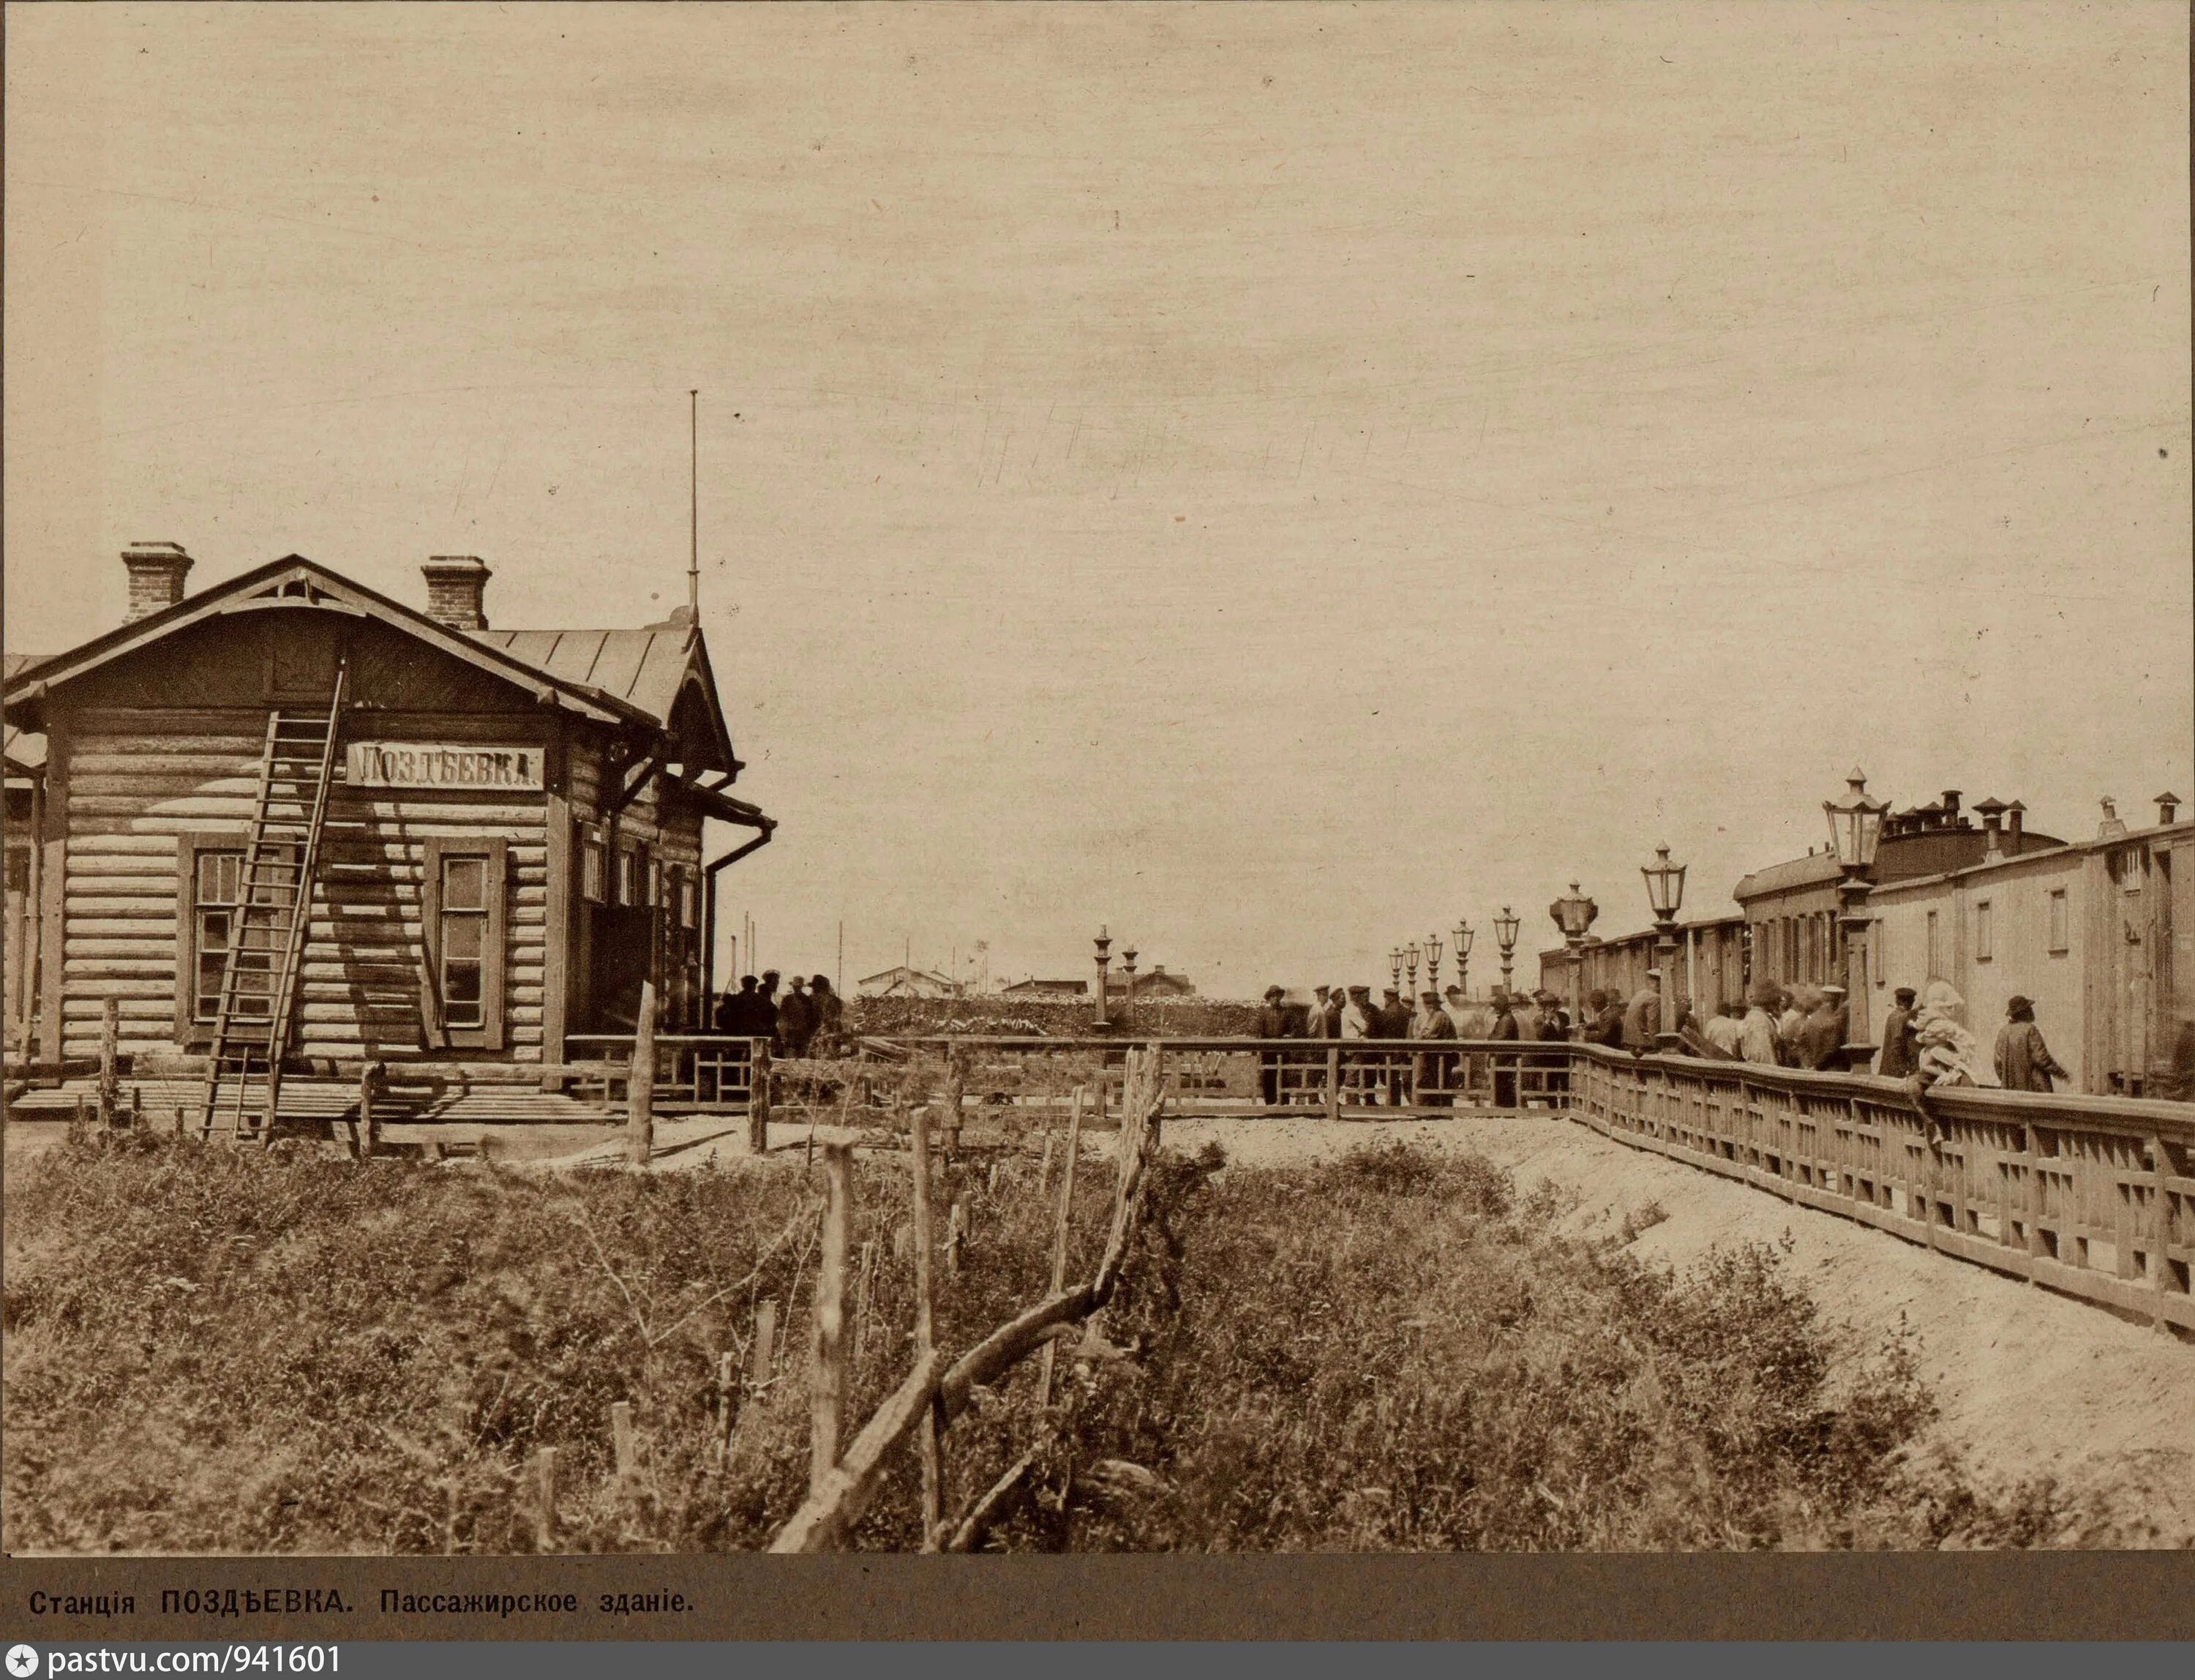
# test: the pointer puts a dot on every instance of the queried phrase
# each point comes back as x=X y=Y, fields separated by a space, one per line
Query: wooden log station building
x=288 y=828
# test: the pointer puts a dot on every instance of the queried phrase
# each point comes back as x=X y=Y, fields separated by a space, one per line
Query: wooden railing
x=1359 y=1078
x=704 y=1073
x=2092 y=1196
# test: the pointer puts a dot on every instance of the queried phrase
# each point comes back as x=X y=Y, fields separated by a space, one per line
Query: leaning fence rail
x=934 y=1391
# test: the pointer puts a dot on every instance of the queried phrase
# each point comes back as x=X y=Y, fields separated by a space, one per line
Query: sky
x=1271 y=480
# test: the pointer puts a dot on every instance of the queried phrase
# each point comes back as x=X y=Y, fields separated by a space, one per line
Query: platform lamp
x=1505 y=935
x=1395 y=966
x=1128 y=997
x=1432 y=961
x=1855 y=831
x=1573 y=914
x=1104 y=945
x=1410 y=962
x=1665 y=896
x=1464 y=930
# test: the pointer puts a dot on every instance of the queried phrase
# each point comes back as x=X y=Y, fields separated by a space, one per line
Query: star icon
x=22 y=1661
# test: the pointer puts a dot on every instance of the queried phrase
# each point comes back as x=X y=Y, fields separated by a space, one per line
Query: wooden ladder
x=267 y=937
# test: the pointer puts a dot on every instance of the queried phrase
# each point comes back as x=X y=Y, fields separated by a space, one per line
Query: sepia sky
x=1271 y=480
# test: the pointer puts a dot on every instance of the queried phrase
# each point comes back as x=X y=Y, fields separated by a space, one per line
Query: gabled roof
x=632 y=676
x=1815 y=871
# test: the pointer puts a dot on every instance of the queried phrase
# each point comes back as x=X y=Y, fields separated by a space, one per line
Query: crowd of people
x=1925 y=1037
x=809 y=1020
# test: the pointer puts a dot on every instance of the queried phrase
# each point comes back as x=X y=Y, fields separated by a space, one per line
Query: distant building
x=1159 y=984
x=1033 y=988
x=1790 y=909
x=902 y=981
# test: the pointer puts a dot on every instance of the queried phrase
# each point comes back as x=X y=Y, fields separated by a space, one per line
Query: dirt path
x=2031 y=1384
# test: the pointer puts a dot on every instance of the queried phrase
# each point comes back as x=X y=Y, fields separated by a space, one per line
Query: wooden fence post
x=1060 y=1230
x=865 y=1281
x=728 y=1401
x=368 y=1128
x=110 y=1033
x=179 y=1119
x=136 y=1107
x=954 y=1085
x=545 y=1499
x=621 y=1438
x=761 y=1351
x=918 y=1135
x=759 y=1098
x=640 y=1081
x=1043 y=1166
x=956 y=1234
x=1333 y=1084
x=828 y=1389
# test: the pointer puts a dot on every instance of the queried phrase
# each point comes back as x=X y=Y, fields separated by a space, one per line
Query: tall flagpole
x=693 y=486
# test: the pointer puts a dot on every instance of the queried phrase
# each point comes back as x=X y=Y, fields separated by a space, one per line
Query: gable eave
x=245 y=593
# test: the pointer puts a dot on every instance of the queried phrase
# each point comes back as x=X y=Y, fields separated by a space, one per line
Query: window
x=461 y=939
x=655 y=884
x=2060 y=934
x=630 y=865
x=217 y=891
x=590 y=863
x=463 y=892
x=19 y=871
x=690 y=897
x=1985 y=931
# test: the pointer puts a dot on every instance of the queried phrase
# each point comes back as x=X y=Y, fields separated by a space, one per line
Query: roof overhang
x=296 y=584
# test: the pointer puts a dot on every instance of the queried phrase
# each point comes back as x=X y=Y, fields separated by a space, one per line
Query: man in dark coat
x=1607 y=1027
x=1394 y=1018
x=830 y=1013
x=1435 y=1074
x=1272 y=1022
x=738 y=1013
x=1899 y=1057
x=1822 y=1035
x=2023 y=1061
x=1505 y=1028
x=796 y=1019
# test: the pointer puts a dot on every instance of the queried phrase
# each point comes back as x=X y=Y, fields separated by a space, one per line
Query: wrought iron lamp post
x=1464 y=930
x=1855 y=831
x=1505 y=935
x=1432 y=961
x=1574 y=914
x=1128 y=997
x=1395 y=966
x=1105 y=960
x=1410 y=962
x=1665 y=894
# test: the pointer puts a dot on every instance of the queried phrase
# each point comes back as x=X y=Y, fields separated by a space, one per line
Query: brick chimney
x=156 y=577
x=1991 y=811
x=2015 y=823
x=456 y=584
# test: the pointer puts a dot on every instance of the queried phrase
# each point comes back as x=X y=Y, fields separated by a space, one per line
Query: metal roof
x=646 y=668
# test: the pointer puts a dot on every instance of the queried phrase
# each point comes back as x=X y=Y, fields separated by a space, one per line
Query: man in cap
x=1505 y=1029
x=1605 y=1010
x=1900 y=1057
x=1435 y=1074
x=1393 y=1016
x=2023 y=1061
x=1359 y=1020
x=1642 y=1017
x=796 y=1019
x=1272 y=1022
x=1823 y=1034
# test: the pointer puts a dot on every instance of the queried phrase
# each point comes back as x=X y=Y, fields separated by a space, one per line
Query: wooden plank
x=53 y=878
x=558 y=895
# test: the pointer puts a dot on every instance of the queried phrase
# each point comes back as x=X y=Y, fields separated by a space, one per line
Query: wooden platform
x=310 y=1102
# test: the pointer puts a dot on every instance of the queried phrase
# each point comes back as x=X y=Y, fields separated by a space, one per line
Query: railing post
x=640 y=1081
x=758 y=1096
x=369 y=1129
x=2160 y=1229
x=1333 y=1084
x=110 y=1034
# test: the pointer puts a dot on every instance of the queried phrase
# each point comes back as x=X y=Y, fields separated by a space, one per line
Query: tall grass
x=216 y=1350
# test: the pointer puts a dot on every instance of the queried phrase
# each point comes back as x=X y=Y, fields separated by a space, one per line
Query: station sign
x=454 y=765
